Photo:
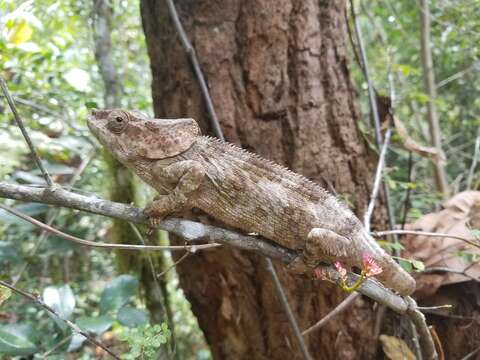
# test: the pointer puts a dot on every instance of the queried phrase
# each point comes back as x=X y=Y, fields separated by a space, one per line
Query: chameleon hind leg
x=321 y=245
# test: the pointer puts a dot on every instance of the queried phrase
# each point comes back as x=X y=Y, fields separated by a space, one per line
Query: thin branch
x=186 y=229
x=286 y=306
x=373 y=105
x=377 y=181
x=337 y=310
x=424 y=233
x=430 y=89
x=416 y=341
x=476 y=155
x=446 y=306
x=470 y=355
x=38 y=301
x=196 y=68
x=20 y=124
x=84 y=242
x=425 y=337
x=190 y=231
x=441 y=269
x=183 y=257
x=55 y=212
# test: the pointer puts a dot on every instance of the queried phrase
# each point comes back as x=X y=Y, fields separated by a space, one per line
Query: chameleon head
x=131 y=136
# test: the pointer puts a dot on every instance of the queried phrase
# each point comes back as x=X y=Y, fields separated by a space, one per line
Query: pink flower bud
x=370 y=267
x=341 y=269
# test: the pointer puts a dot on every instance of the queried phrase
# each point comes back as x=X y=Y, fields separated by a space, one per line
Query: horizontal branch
x=189 y=230
x=425 y=233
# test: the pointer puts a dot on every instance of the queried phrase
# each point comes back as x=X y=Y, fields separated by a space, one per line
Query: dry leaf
x=395 y=348
x=460 y=214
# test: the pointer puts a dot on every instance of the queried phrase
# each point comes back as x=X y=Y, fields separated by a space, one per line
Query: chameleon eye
x=117 y=123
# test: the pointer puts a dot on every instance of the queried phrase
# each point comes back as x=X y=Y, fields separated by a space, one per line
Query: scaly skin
x=242 y=190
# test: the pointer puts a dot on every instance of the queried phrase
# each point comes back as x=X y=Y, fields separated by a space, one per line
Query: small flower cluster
x=369 y=268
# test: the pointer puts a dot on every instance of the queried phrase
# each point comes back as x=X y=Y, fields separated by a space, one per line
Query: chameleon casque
x=242 y=190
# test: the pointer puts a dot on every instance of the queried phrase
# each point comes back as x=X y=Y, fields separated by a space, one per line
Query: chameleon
x=242 y=190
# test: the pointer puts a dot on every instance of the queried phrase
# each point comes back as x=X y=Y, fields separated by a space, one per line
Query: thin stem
x=430 y=89
x=286 y=307
x=378 y=180
x=54 y=214
x=424 y=233
x=196 y=68
x=476 y=155
x=84 y=242
x=24 y=131
x=38 y=301
x=337 y=310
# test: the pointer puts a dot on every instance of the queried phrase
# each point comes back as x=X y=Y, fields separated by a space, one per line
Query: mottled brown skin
x=240 y=189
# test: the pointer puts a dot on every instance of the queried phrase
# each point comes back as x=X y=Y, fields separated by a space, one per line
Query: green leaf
x=5 y=293
x=7 y=251
x=418 y=265
x=14 y=343
x=97 y=325
x=132 y=317
x=406 y=265
x=118 y=293
x=60 y=299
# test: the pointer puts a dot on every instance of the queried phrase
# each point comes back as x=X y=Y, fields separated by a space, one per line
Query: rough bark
x=280 y=83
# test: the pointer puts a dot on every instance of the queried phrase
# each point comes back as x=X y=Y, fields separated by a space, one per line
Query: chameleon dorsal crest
x=165 y=138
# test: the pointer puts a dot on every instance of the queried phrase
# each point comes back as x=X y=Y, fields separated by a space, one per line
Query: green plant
x=145 y=341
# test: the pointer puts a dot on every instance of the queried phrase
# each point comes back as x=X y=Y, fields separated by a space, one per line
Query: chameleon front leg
x=187 y=175
x=321 y=245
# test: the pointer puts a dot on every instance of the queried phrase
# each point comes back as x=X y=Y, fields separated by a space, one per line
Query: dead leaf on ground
x=395 y=348
x=459 y=216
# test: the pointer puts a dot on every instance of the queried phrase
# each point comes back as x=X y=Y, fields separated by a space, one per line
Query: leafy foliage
x=144 y=341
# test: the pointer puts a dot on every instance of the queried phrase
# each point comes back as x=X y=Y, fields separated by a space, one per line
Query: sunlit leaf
x=20 y=33
x=61 y=299
x=5 y=293
x=77 y=78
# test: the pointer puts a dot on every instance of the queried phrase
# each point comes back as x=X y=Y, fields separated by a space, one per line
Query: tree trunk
x=278 y=75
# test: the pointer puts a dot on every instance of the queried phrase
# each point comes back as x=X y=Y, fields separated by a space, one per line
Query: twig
x=373 y=105
x=430 y=90
x=474 y=163
x=291 y=318
x=56 y=347
x=441 y=269
x=424 y=233
x=183 y=257
x=36 y=300
x=196 y=68
x=416 y=341
x=426 y=341
x=471 y=354
x=377 y=181
x=446 y=306
x=20 y=124
x=51 y=219
x=77 y=240
x=337 y=310
x=406 y=203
